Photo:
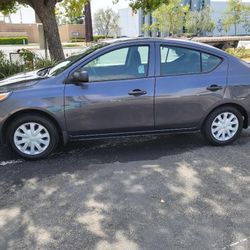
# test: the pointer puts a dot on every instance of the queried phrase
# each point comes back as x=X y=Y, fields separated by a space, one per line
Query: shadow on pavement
x=170 y=192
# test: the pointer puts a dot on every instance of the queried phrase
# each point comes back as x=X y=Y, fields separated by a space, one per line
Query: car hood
x=19 y=81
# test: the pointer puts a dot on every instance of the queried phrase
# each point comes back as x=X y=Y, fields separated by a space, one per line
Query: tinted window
x=125 y=63
x=177 y=60
x=209 y=62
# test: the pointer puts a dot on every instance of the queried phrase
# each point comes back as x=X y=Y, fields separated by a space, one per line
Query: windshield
x=61 y=66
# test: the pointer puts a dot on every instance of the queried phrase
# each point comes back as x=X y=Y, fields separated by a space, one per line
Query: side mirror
x=80 y=76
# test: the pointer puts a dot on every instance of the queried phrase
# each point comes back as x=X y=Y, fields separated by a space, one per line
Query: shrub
x=31 y=62
x=100 y=37
x=95 y=38
x=70 y=45
x=41 y=62
x=77 y=40
x=13 y=40
x=7 y=68
x=240 y=52
x=28 y=57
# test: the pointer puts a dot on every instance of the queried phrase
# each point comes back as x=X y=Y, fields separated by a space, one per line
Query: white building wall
x=129 y=22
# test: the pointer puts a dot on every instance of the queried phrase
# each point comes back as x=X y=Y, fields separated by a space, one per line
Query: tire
x=33 y=137
x=215 y=126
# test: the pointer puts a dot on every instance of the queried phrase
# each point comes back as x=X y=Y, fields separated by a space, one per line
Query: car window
x=143 y=50
x=120 y=64
x=178 y=60
x=209 y=62
x=117 y=57
x=61 y=66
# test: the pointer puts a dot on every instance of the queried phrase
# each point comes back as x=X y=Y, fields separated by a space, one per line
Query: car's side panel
x=105 y=107
x=239 y=83
x=182 y=100
x=45 y=96
x=108 y=106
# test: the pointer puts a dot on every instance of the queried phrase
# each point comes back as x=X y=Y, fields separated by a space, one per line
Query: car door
x=189 y=82
x=118 y=96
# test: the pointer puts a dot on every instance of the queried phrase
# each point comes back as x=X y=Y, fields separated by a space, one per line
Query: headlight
x=4 y=96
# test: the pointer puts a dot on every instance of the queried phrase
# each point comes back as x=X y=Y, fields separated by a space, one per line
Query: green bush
x=13 y=40
x=77 y=40
x=7 y=68
x=41 y=62
x=240 y=52
x=71 y=45
x=95 y=38
x=31 y=62
x=100 y=37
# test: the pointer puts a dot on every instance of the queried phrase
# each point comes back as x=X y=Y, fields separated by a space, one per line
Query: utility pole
x=88 y=23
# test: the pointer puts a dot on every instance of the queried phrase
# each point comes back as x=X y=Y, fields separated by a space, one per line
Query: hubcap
x=225 y=126
x=31 y=138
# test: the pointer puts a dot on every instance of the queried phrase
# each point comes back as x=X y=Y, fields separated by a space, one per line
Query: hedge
x=77 y=40
x=95 y=38
x=13 y=40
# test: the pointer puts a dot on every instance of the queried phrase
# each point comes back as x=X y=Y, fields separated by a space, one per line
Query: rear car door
x=189 y=82
x=119 y=95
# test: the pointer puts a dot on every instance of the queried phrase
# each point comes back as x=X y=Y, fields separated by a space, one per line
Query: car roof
x=172 y=41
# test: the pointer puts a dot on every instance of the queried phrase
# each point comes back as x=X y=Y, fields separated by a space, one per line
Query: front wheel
x=223 y=126
x=33 y=137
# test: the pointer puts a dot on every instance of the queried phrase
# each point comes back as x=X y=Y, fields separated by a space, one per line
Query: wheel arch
x=45 y=114
x=235 y=105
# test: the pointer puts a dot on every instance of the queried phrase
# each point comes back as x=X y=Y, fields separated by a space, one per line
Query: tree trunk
x=235 y=29
x=46 y=12
x=88 y=23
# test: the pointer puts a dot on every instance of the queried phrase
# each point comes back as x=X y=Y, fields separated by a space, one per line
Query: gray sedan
x=132 y=87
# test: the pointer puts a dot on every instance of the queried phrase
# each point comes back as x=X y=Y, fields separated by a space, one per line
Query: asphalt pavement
x=166 y=192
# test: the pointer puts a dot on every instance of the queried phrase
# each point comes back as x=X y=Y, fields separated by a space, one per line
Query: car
x=129 y=87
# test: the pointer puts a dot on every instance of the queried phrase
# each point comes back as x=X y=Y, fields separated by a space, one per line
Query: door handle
x=137 y=92
x=214 y=87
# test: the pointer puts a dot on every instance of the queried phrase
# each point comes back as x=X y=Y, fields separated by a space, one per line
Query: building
x=132 y=23
x=218 y=7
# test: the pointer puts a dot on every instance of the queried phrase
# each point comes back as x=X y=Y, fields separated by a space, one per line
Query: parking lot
x=168 y=192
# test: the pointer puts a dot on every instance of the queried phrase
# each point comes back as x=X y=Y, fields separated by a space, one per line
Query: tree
x=71 y=11
x=88 y=22
x=8 y=9
x=106 y=22
x=246 y=19
x=233 y=15
x=45 y=9
x=199 y=22
x=219 y=26
x=148 y=6
x=170 y=17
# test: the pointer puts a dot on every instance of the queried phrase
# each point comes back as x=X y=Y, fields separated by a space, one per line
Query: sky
x=28 y=15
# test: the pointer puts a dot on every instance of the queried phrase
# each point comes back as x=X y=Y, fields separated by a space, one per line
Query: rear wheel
x=33 y=137
x=223 y=126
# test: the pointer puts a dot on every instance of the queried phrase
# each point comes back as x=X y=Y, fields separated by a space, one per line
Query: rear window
x=209 y=62
x=179 y=60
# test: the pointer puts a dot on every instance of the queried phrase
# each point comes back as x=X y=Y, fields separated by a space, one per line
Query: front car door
x=119 y=95
x=189 y=82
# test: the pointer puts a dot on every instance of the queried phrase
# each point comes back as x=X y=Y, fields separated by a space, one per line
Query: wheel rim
x=225 y=126
x=31 y=138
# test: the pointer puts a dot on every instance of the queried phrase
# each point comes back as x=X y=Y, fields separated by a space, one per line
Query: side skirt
x=130 y=134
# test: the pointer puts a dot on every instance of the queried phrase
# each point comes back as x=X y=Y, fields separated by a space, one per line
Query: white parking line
x=236 y=243
x=11 y=162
